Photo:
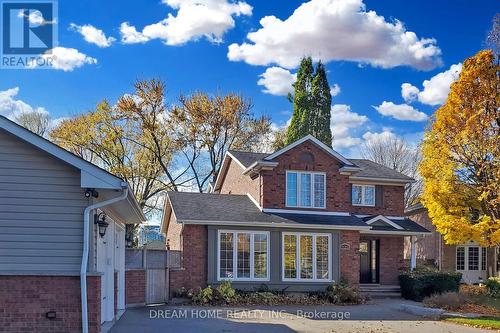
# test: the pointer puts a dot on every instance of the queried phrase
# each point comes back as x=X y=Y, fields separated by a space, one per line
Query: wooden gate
x=156 y=264
x=156 y=285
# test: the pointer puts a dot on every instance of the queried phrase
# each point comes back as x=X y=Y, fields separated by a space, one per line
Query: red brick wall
x=338 y=194
x=235 y=182
x=135 y=287
x=391 y=259
x=349 y=256
x=427 y=245
x=25 y=300
x=173 y=234
x=194 y=259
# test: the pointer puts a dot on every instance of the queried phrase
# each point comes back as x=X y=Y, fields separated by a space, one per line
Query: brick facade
x=349 y=256
x=391 y=259
x=25 y=300
x=235 y=182
x=135 y=287
x=194 y=259
x=338 y=188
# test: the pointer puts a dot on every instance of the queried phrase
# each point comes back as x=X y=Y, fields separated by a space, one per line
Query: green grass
x=489 y=323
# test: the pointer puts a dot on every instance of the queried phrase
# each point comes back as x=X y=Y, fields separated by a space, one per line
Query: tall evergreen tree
x=322 y=100
x=302 y=102
x=311 y=104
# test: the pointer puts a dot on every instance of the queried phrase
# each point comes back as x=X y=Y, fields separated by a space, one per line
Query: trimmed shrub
x=493 y=285
x=419 y=284
x=225 y=293
x=341 y=293
x=203 y=296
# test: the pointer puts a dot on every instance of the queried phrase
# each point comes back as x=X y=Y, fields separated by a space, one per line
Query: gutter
x=85 y=254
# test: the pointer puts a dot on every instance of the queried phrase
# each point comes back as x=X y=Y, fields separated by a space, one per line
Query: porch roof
x=234 y=210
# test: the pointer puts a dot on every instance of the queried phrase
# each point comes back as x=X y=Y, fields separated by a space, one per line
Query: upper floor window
x=363 y=195
x=305 y=189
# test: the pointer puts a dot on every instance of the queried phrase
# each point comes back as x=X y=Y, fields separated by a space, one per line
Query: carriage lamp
x=100 y=220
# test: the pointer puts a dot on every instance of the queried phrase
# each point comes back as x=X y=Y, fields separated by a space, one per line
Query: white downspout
x=413 y=256
x=85 y=254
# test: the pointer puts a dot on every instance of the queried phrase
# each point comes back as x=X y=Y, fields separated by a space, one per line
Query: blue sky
x=368 y=55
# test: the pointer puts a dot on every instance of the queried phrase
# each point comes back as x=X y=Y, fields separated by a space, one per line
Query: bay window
x=306 y=257
x=243 y=255
x=305 y=189
x=363 y=195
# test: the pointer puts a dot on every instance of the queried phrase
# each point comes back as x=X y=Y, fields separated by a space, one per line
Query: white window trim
x=235 y=255
x=362 y=204
x=466 y=258
x=297 y=257
x=312 y=173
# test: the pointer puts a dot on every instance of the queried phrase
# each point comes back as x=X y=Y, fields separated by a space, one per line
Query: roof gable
x=320 y=144
x=91 y=176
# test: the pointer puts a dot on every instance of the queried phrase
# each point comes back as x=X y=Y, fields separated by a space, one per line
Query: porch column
x=413 y=255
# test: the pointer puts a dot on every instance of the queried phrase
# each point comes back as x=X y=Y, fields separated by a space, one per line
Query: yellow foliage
x=461 y=156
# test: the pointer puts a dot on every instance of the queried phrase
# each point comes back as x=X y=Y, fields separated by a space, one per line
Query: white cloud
x=342 y=122
x=35 y=17
x=409 y=92
x=194 y=19
x=335 y=90
x=130 y=35
x=400 y=111
x=65 y=59
x=277 y=81
x=336 y=30
x=10 y=107
x=93 y=35
x=437 y=88
x=378 y=136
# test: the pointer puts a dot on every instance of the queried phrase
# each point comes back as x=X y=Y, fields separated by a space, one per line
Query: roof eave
x=274 y=225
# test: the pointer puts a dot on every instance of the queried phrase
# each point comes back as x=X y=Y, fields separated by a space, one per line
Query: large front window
x=363 y=195
x=243 y=255
x=305 y=189
x=306 y=257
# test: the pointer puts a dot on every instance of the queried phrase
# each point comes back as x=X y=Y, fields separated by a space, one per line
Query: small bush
x=225 y=293
x=493 y=286
x=341 y=293
x=419 y=284
x=449 y=300
x=203 y=296
x=473 y=290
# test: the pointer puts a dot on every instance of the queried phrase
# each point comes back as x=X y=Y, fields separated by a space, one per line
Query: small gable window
x=305 y=189
x=363 y=195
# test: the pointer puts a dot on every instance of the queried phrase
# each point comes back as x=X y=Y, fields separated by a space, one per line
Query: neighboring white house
x=62 y=237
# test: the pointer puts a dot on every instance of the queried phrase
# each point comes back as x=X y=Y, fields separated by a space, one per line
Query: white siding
x=41 y=210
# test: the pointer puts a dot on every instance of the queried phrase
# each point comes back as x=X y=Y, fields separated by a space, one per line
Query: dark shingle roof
x=232 y=208
x=369 y=168
x=374 y=170
x=247 y=158
x=239 y=208
x=406 y=224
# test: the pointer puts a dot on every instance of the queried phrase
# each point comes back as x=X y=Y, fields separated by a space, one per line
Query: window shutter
x=379 y=195
x=350 y=194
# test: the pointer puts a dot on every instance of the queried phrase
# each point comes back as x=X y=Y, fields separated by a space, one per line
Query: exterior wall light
x=102 y=225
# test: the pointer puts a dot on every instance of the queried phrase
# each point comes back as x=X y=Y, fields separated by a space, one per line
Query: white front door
x=471 y=262
x=105 y=266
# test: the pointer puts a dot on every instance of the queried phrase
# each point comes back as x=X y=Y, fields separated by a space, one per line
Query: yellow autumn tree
x=461 y=156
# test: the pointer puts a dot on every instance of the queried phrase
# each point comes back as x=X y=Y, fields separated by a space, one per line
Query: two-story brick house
x=300 y=218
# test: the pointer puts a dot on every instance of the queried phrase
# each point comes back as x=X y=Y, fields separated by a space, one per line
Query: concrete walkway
x=379 y=316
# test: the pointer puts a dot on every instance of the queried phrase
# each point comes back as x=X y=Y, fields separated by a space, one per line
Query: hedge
x=493 y=285
x=417 y=285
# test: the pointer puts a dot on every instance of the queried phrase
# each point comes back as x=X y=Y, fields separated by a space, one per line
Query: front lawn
x=488 y=323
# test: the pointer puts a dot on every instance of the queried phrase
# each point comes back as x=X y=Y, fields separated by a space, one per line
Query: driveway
x=379 y=316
